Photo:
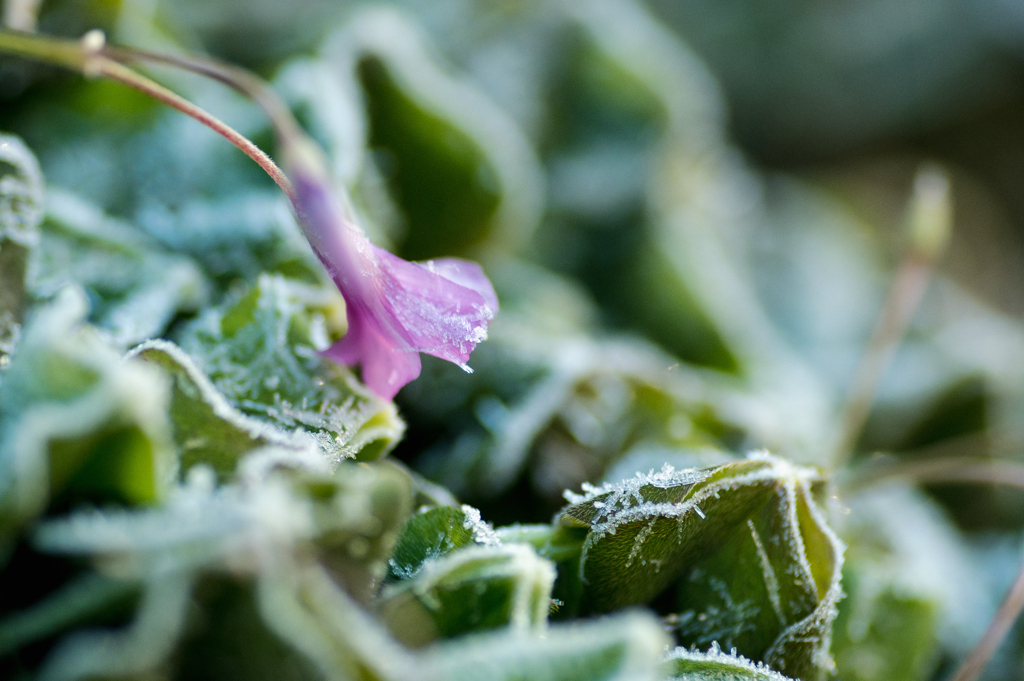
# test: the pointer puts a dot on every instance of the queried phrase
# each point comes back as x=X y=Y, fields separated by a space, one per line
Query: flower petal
x=440 y=315
x=396 y=308
x=388 y=361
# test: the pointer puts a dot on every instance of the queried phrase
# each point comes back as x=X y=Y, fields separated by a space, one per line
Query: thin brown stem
x=86 y=56
x=945 y=470
x=239 y=79
x=997 y=630
x=930 y=223
x=905 y=295
x=124 y=75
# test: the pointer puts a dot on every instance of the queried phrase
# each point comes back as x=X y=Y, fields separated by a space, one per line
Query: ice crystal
x=482 y=531
x=731 y=665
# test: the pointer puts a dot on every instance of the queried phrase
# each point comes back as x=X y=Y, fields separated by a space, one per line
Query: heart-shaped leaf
x=473 y=589
x=756 y=566
x=261 y=354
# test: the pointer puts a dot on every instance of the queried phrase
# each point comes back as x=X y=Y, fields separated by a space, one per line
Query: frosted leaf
x=67 y=403
x=210 y=430
x=259 y=353
x=326 y=625
x=436 y=532
x=136 y=285
x=136 y=649
x=351 y=517
x=621 y=495
x=198 y=527
x=760 y=568
x=716 y=665
x=623 y=647
x=21 y=206
x=473 y=589
x=21 y=193
x=74 y=602
x=482 y=531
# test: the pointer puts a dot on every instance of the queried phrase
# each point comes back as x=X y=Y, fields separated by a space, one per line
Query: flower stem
x=88 y=57
x=930 y=223
x=239 y=79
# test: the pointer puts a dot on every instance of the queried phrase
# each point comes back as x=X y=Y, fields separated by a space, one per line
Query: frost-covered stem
x=87 y=57
x=930 y=225
x=966 y=470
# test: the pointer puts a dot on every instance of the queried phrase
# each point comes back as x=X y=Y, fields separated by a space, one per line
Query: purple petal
x=396 y=308
x=440 y=317
x=388 y=361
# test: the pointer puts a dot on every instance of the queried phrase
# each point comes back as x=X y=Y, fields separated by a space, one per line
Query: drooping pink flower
x=396 y=309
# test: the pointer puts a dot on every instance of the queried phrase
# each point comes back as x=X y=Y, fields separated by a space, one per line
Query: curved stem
x=87 y=57
x=945 y=470
x=239 y=79
x=997 y=630
x=964 y=470
x=930 y=222
x=122 y=74
x=905 y=295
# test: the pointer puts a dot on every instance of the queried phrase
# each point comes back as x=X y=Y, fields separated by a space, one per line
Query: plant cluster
x=647 y=455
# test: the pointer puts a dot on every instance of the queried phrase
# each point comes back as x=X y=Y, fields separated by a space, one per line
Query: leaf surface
x=755 y=565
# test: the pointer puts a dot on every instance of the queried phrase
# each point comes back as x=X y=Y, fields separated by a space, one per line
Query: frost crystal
x=730 y=660
x=622 y=492
x=482 y=531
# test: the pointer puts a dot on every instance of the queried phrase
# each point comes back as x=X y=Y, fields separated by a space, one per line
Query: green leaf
x=358 y=515
x=624 y=647
x=913 y=585
x=133 y=650
x=433 y=533
x=260 y=353
x=233 y=641
x=883 y=632
x=714 y=665
x=755 y=564
x=561 y=545
x=460 y=171
x=77 y=422
x=257 y=554
x=472 y=589
x=207 y=428
x=135 y=285
x=350 y=518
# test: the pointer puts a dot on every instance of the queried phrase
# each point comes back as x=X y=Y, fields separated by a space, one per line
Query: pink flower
x=396 y=309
